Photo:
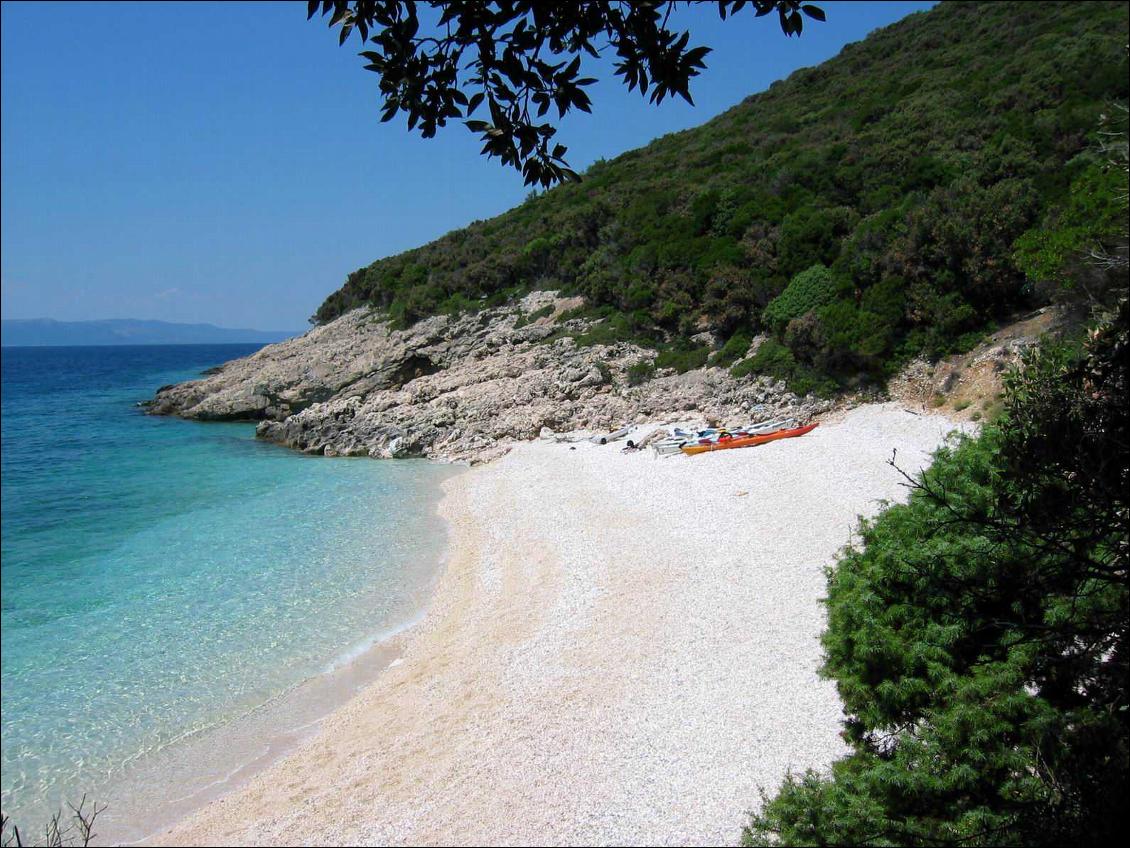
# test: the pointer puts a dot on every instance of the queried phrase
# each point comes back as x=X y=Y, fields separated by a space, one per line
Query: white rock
x=465 y=387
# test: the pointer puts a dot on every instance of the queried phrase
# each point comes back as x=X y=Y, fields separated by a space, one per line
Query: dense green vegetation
x=977 y=634
x=932 y=173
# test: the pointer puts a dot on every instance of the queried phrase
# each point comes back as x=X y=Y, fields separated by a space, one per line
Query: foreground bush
x=977 y=634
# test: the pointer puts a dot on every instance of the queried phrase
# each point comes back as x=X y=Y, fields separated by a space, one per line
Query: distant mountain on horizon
x=47 y=332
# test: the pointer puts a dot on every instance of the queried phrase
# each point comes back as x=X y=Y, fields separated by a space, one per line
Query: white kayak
x=611 y=437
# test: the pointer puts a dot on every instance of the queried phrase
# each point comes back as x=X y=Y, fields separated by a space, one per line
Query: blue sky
x=225 y=162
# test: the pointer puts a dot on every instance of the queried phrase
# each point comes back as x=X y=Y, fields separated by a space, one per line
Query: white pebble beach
x=622 y=649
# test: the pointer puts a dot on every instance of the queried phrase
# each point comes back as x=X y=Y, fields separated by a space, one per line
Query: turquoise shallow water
x=161 y=577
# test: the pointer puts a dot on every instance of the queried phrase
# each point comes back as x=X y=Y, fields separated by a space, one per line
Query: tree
x=1082 y=247
x=978 y=634
x=498 y=52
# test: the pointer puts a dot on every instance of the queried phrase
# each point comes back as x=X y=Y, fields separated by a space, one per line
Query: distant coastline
x=47 y=332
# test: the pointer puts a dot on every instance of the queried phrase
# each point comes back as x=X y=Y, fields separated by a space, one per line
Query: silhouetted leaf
x=505 y=46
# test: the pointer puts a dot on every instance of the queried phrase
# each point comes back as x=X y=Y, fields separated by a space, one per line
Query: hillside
x=889 y=203
x=461 y=387
x=40 y=332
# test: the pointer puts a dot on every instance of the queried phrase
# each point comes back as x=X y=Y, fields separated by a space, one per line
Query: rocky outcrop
x=463 y=387
x=970 y=386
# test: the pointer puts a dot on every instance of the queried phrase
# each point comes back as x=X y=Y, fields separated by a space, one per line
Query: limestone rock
x=458 y=387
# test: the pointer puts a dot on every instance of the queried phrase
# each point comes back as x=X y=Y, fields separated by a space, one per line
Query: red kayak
x=748 y=441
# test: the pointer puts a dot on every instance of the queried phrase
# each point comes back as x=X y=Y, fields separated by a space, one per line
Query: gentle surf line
x=382 y=651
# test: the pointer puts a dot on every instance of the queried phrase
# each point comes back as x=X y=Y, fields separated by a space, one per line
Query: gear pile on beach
x=665 y=442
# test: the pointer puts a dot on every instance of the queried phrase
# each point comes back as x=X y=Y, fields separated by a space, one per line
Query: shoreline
x=208 y=763
x=618 y=649
x=250 y=743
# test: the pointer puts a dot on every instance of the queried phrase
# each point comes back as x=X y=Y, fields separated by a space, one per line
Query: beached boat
x=673 y=444
x=748 y=441
x=611 y=437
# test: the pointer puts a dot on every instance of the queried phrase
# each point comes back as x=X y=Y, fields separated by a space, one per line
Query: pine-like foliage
x=977 y=634
x=805 y=292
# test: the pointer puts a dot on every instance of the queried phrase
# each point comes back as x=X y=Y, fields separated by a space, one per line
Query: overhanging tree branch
x=490 y=52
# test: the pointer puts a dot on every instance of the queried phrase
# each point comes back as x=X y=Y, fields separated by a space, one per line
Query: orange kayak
x=748 y=441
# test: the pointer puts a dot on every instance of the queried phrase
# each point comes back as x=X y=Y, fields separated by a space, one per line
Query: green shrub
x=457 y=303
x=604 y=333
x=805 y=292
x=812 y=236
x=772 y=358
x=537 y=246
x=743 y=368
x=536 y=315
x=942 y=318
x=618 y=327
x=586 y=311
x=806 y=381
x=1093 y=218
x=639 y=297
x=682 y=357
x=887 y=299
x=640 y=372
x=733 y=350
x=977 y=634
x=776 y=360
x=854 y=339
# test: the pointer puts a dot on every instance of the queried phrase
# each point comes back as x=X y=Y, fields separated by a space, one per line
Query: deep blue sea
x=161 y=578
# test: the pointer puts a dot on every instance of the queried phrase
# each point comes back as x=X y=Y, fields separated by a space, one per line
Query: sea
x=170 y=588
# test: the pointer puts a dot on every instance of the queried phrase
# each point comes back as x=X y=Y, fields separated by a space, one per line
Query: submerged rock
x=457 y=387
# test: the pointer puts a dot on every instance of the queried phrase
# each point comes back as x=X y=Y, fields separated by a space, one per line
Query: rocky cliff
x=459 y=388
